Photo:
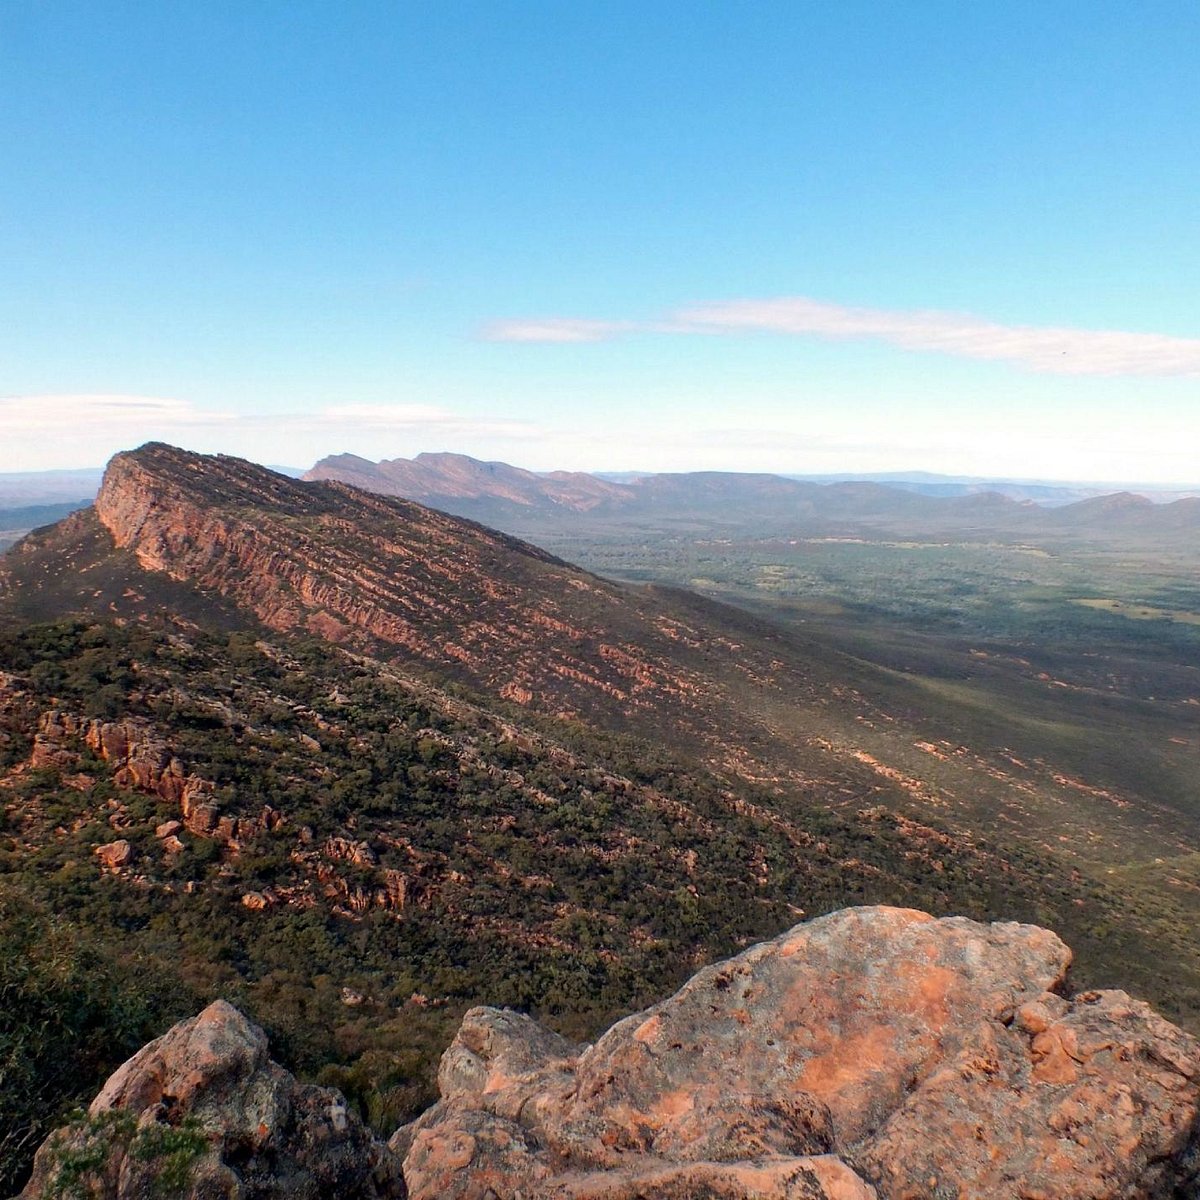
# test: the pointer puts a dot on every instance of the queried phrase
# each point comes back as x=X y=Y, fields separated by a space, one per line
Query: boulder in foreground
x=872 y=1052
x=203 y=1113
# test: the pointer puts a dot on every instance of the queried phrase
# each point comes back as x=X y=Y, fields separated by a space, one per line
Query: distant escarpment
x=873 y=1054
x=523 y=501
x=435 y=478
x=354 y=567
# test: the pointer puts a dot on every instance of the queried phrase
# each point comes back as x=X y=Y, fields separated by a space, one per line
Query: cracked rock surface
x=872 y=1052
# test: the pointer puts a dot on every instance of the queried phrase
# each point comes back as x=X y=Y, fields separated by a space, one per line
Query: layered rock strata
x=349 y=566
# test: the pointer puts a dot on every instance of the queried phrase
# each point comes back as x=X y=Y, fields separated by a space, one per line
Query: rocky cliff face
x=350 y=566
x=874 y=1054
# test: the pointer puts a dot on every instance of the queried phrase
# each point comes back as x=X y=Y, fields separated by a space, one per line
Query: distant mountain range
x=1041 y=491
x=458 y=477
x=23 y=488
x=32 y=498
x=516 y=500
x=520 y=501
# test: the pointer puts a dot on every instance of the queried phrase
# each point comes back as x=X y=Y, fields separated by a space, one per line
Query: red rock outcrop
x=115 y=855
x=141 y=760
x=203 y=1112
x=875 y=1051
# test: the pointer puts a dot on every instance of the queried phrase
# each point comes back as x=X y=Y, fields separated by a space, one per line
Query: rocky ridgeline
x=873 y=1053
x=354 y=567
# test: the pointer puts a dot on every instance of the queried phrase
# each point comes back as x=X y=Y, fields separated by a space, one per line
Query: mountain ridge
x=495 y=491
x=347 y=759
x=434 y=475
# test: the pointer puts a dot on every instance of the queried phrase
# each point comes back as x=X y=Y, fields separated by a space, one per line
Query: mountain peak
x=443 y=478
x=392 y=576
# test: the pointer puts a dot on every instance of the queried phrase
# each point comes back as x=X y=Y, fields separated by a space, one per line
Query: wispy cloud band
x=1043 y=349
x=152 y=416
x=79 y=413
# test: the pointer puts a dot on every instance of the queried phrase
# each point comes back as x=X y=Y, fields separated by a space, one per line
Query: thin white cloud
x=1042 y=349
x=126 y=414
x=78 y=413
x=557 y=329
x=39 y=432
x=422 y=418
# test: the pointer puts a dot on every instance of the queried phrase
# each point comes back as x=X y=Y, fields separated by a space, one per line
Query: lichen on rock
x=202 y=1112
x=872 y=1054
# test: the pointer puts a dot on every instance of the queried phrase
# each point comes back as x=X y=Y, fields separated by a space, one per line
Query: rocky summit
x=872 y=1053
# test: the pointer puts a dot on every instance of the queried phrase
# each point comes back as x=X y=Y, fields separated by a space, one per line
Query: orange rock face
x=140 y=759
x=872 y=1052
x=115 y=855
x=349 y=566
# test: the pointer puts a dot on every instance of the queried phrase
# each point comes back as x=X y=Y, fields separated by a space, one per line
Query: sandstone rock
x=115 y=855
x=246 y=1127
x=167 y=829
x=875 y=1051
x=348 y=850
x=1100 y=1103
x=201 y=819
x=140 y=758
x=812 y=1178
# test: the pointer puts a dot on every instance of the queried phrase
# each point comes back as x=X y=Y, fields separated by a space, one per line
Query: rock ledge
x=873 y=1054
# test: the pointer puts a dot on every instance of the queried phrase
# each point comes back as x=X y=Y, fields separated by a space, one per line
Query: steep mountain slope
x=357 y=763
x=420 y=587
x=424 y=590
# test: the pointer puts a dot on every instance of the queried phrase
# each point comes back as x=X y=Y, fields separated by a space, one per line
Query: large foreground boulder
x=203 y=1113
x=875 y=1052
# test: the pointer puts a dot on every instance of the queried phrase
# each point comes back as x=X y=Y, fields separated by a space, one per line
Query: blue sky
x=800 y=236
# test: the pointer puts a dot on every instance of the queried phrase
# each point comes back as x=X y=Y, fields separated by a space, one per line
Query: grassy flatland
x=1138 y=612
